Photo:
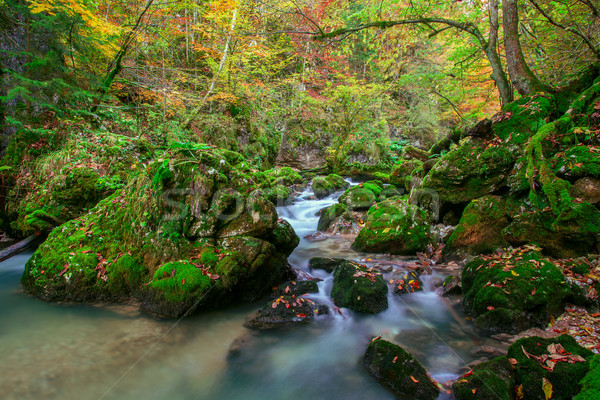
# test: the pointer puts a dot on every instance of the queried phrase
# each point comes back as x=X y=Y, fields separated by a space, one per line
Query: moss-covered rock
x=514 y=291
x=574 y=232
x=280 y=195
x=336 y=218
x=563 y=379
x=469 y=172
x=389 y=191
x=359 y=197
x=520 y=119
x=394 y=226
x=587 y=189
x=407 y=283
x=178 y=237
x=359 y=288
x=479 y=230
x=324 y=263
x=296 y=288
x=284 y=312
x=284 y=237
x=398 y=371
x=489 y=380
x=577 y=162
x=323 y=186
x=285 y=176
x=402 y=170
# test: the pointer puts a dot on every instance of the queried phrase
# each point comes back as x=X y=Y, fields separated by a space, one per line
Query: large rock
x=323 y=186
x=394 y=226
x=180 y=239
x=480 y=228
x=358 y=198
x=337 y=218
x=469 y=172
x=326 y=264
x=587 y=189
x=574 y=232
x=359 y=288
x=398 y=371
x=514 y=291
x=535 y=368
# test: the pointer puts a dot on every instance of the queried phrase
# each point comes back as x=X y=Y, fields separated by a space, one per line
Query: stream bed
x=114 y=351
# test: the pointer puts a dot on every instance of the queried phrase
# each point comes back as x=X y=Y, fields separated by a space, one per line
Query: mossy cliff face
x=394 y=226
x=513 y=291
x=178 y=236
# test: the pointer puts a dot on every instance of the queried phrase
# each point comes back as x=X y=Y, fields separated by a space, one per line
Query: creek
x=113 y=351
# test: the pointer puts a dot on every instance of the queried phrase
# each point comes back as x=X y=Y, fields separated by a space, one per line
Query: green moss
x=480 y=228
x=394 y=226
x=333 y=214
x=489 y=380
x=577 y=162
x=358 y=198
x=285 y=176
x=358 y=288
x=565 y=378
x=522 y=118
x=591 y=382
x=323 y=186
x=399 y=371
x=514 y=292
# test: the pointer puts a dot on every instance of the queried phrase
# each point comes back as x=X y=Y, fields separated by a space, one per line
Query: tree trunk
x=491 y=52
x=521 y=75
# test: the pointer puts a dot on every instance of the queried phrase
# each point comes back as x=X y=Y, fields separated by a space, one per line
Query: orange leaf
x=183 y=281
x=413 y=379
x=474 y=390
x=395 y=359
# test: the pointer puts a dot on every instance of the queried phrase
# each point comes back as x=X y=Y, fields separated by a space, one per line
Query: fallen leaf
x=474 y=390
x=490 y=308
x=520 y=393
x=395 y=359
x=183 y=281
x=547 y=388
x=513 y=361
x=413 y=379
x=301 y=315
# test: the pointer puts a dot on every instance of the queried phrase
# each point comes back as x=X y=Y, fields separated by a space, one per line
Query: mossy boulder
x=323 y=186
x=285 y=176
x=489 y=380
x=284 y=312
x=408 y=282
x=470 y=171
x=164 y=237
x=564 y=377
x=336 y=218
x=399 y=371
x=280 y=195
x=325 y=263
x=359 y=288
x=479 y=230
x=389 y=191
x=513 y=291
x=520 y=119
x=577 y=162
x=587 y=189
x=402 y=170
x=359 y=197
x=284 y=237
x=394 y=226
x=572 y=233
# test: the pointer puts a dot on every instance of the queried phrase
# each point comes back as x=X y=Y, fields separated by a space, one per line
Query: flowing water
x=108 y=351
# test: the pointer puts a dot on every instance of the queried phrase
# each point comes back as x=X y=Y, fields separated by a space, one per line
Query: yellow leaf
x=520 y=392
x=386 y=230
x=547 y=388
x=514 y=273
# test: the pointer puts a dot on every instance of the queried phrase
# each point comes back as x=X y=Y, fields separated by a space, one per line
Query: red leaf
x=61 y=273
x=301 y=315
x=533 y=291
x=490 y=308
x=183 y=281
x=287 y=306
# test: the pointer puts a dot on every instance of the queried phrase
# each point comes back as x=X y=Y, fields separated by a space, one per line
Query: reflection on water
x=66 y=351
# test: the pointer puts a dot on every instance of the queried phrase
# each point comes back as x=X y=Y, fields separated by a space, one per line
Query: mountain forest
x=330 y=199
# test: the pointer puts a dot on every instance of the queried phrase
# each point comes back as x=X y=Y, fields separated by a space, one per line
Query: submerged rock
x=398 y=371
x=394 y=226
x=359 y=288
x=336 y=218
x=407 y=283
